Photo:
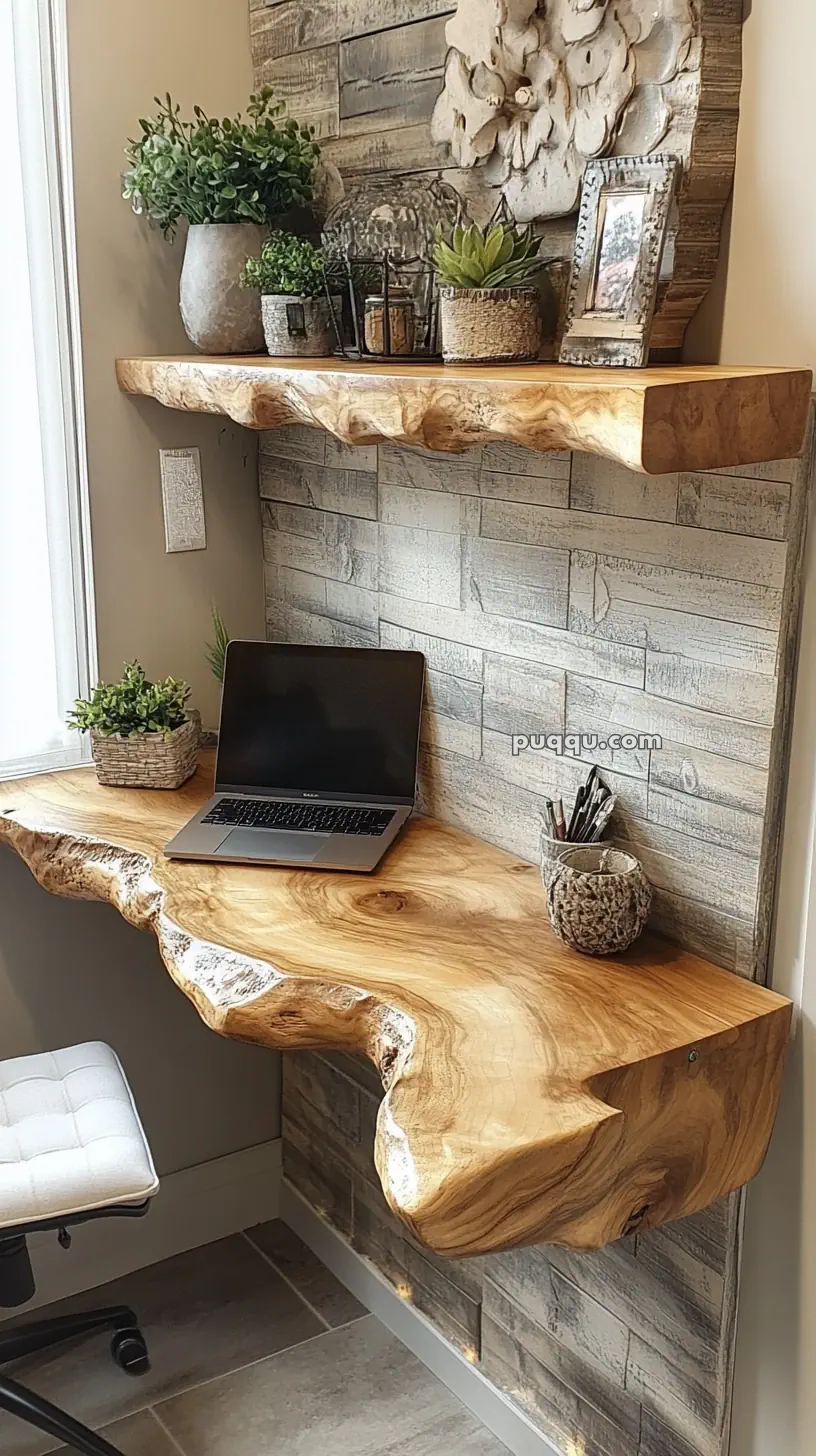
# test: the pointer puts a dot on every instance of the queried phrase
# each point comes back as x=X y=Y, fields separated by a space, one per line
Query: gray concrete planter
x=297 y=326
x=480 y=325
x=221 y=317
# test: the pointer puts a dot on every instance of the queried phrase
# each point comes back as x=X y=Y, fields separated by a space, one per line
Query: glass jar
x=401 y=318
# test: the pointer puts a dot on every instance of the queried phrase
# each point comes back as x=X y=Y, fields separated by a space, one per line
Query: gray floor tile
x=312 y=1279
x=139 y=1435
x=352 y=1392
x=203 y=1313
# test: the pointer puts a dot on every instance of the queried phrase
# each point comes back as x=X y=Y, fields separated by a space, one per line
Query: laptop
x=317 y=757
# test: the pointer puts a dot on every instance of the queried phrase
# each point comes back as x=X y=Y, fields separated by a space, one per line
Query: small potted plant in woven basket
x=292 y=277
x=599 y=899
x=142 y=735
x=489 y=303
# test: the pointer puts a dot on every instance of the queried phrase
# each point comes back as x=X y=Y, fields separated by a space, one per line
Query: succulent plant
x=494 y=257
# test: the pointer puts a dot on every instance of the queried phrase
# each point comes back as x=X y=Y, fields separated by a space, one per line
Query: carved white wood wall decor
x=533 y=91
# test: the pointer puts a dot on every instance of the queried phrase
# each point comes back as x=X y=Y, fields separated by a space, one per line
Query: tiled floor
x=255 y=1349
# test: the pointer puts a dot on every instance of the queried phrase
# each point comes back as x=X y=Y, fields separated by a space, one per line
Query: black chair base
x=37 y=1412
x=128 y=1349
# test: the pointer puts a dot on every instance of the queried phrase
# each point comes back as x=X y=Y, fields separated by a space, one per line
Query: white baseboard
x=507 y=1422
x=193 y=1207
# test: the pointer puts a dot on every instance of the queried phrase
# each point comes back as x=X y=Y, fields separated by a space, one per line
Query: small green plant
x=289 y=264
x=495 y=257
x=132 y=705
x=214 y=170
x=216 y=651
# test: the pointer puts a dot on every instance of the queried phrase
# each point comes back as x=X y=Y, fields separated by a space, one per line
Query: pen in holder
x=590 y=816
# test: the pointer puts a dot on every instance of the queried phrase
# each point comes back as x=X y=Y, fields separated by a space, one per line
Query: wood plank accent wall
x=551 y=594
x=624 y=1352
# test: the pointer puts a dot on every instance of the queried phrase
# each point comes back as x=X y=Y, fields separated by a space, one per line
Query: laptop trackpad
x=272 y=844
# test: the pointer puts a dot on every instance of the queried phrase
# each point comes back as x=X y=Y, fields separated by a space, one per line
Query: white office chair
x=72 y=1149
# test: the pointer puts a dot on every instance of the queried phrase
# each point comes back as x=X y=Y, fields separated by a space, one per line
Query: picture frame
x=623 y=224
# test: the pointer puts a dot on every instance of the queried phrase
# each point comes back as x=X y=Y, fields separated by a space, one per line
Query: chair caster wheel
x=129 y=1350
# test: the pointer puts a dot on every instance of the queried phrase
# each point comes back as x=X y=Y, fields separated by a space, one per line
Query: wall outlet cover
x=183 y=500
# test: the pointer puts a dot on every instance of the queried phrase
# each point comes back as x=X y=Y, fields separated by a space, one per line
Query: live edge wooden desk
x=533 y=1095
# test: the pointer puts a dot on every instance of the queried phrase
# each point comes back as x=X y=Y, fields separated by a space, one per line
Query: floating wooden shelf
x=653 y=420
x=533 y=1094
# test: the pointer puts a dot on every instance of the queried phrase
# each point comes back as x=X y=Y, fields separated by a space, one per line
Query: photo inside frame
x=620 y=232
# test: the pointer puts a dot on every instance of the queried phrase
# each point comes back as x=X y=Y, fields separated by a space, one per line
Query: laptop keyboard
x=316 y=818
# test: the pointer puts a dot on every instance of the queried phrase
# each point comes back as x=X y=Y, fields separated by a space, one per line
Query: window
x=46 y=647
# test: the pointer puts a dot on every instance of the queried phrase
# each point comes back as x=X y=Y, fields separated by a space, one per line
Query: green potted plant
x=142 y=734
x=489 y=304
x=291 y=275
x=216 y=651
x=230 y=178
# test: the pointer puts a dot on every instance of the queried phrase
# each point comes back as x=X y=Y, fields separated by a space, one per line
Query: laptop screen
x=327 y=720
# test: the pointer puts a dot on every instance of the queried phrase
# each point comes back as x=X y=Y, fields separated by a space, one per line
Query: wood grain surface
x=532 y=1094
x=653 y=420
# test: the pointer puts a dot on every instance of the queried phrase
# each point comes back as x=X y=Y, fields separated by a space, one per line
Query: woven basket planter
x=598 y=899
x=481 y=325
x=148 y=760
x=300 y=327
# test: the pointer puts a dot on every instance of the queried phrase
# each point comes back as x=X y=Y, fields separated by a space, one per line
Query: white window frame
x=41 y=49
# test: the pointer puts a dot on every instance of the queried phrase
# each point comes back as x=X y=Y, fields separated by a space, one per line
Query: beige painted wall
x=69 y=971
x=764 y=307
x=148 y=602
x=764 y=311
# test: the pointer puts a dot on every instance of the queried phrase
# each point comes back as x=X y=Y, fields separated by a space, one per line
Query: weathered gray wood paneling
x=552 y=774
x=394 y=76
x=627 y=710
x=285 y=623
x=599 y=605
x=423 y=565
x=727 y=503
x=440 y=654
x=684 y=548
x=650 y=585
x=398 y=149
x=530 y=583
x=540 y=1383
x=529 y=1282
x=609 y=662
x=552 y=595
x=351 y=492
x=343 y=548
x=600 y=485
x=309 y=83
x=355 y=18
x=745 y=695
x=279 y=30
x=521 y=697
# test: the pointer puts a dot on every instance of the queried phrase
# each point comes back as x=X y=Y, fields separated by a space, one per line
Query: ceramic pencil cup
x=598 y=899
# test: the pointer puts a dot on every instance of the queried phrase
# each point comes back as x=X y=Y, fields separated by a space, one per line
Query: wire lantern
x=398 y=320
